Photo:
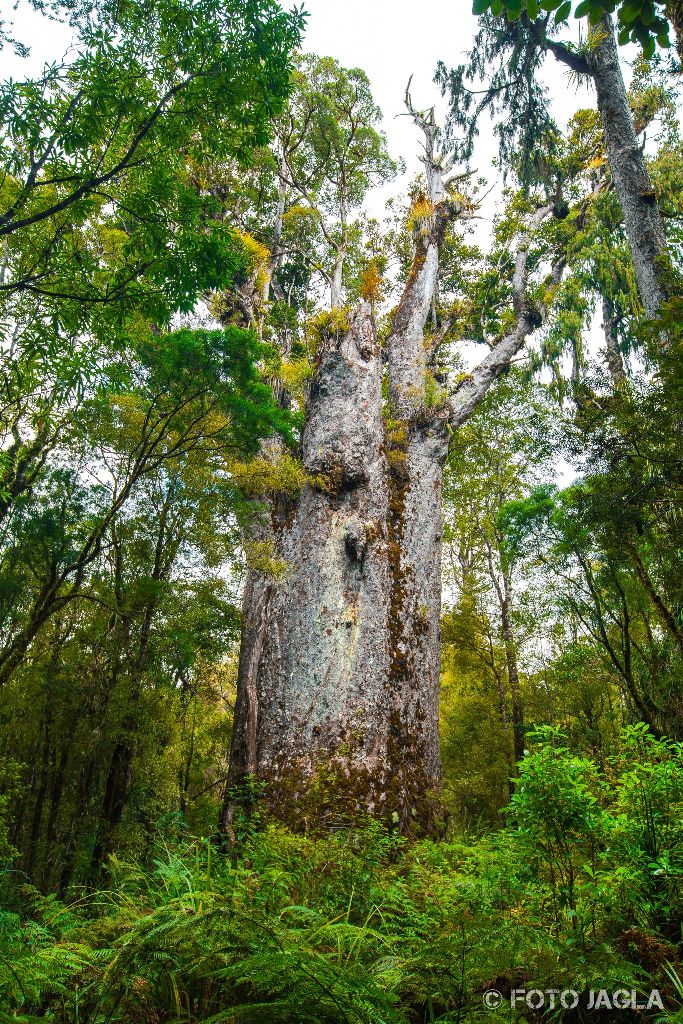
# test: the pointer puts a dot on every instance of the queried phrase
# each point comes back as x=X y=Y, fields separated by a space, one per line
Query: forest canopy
x=341 y=593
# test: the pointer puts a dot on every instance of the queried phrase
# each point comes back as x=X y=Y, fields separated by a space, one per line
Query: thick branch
x=574 y=61
x=474 y=388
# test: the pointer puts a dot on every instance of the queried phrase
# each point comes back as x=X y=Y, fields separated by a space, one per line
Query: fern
x=361 y=926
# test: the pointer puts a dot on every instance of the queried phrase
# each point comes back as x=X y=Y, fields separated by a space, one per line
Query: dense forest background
x=184 y=238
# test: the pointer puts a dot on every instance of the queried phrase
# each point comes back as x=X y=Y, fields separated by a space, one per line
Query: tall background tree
x=118 y=424
x=514 y=39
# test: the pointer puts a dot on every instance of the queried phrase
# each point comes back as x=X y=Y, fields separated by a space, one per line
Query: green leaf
x=532 y=9
x=563 y=12
x=629 y=12
x=584 y=8
x=480 y=6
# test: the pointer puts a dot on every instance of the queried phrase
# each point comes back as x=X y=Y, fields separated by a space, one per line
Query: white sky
x=394 y=39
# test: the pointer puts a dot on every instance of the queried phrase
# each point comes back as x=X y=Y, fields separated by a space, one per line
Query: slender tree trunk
x=270 y=281
x=637 y=197
x=336 y=281
x=39 y=802
x=613 y=356
x=189 y=705
x=74 y=837
x=56 y=792
x=503 y=589
x=116 y=790
x=513 y=670
x=666 y=616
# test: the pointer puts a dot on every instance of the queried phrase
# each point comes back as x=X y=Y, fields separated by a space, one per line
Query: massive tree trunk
x=417 y=446
x=337 y=703
x=313 y=692
x=337 y=693
x=338 y=678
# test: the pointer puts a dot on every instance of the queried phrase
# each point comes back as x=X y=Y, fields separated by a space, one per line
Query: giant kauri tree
x=337 y=699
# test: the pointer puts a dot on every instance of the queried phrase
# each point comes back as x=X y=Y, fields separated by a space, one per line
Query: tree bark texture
x=674 y=12
x=338 y=677
x=337 y=694
x=642 y=219
x=337 y=703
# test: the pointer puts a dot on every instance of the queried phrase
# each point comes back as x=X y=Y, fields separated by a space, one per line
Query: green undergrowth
x=580 y=890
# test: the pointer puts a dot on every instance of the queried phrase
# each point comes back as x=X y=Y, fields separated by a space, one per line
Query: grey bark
x=674 y=12
x=336 y=279
x=472 y=390
x=339 y=249
x=337 y=704
x=313 y=687
x=642 y=220
x=637 y=197
x=276 y=245
x=337 y=694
